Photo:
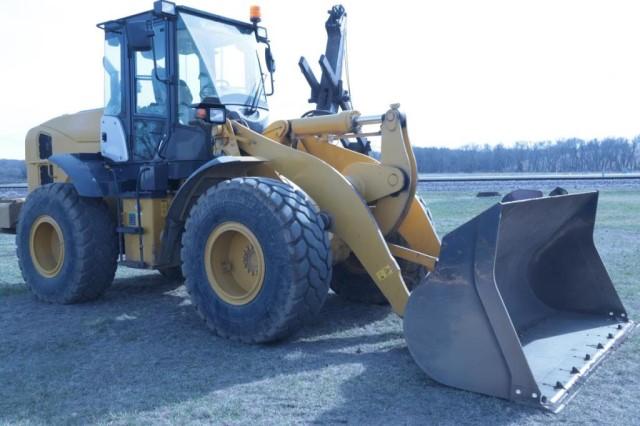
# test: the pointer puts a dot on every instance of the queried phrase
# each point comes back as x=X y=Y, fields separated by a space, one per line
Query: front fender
x=208 y=175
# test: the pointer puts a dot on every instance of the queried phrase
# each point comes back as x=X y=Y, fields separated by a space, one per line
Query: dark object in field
x=558 y=191
x=9 y=212
x=522 y=194
x=482 y=194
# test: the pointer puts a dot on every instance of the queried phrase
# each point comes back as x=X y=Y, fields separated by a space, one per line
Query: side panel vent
x=46 y=175
x=44 y=146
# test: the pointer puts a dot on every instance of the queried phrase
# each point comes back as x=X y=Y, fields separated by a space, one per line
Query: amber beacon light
x=254 y=14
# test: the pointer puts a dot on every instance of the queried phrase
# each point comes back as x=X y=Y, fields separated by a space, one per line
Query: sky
x=465 y=72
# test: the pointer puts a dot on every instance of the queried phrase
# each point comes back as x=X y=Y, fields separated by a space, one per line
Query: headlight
x=162 y=7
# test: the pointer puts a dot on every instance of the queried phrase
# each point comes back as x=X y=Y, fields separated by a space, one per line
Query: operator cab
x=171 y=74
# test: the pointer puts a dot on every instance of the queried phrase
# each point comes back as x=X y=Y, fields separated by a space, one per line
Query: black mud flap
x=520 y=305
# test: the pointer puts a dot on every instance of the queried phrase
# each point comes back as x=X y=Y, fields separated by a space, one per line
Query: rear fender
x=87 y=173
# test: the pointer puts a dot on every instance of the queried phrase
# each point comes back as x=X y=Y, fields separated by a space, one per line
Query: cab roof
x=185 y=9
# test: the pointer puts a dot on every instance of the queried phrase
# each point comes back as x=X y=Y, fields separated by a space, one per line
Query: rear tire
x=66 y=245
x=352 y=282
x=256 y=259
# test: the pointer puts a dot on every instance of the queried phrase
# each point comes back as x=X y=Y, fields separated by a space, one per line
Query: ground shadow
x=141 y=351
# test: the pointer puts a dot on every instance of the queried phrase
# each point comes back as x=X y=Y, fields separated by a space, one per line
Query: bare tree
x=570 y=155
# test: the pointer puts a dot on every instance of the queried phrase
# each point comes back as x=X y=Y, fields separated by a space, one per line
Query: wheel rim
x=46 y=246
x=234 y=263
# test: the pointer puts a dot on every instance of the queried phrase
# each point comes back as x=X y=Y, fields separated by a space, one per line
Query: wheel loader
x=181 y=172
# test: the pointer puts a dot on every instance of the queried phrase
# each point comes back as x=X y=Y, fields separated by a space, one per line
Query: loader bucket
x=520 y=305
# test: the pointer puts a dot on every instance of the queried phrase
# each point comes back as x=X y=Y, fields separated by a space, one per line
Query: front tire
x=256 y=259
x=66 y=245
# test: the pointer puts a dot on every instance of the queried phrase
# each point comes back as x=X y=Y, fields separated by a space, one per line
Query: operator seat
x=185 y=99
x=159 y=92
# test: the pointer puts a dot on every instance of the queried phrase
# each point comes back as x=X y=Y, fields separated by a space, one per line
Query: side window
x=189 y=70
x=112 y=74
x=188 y=86
x=151 y=91
x=147 y=135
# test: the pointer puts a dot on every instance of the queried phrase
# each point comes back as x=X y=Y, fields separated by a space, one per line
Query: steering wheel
x=222 y=84
x=207 y=91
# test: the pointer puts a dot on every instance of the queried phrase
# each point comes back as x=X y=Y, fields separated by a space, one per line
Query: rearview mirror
x=217 y=115
x=261 y=35
x=211 y=111
x=139 y=38
x=268 y=58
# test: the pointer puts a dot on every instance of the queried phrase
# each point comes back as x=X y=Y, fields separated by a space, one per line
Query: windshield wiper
x=256 y=99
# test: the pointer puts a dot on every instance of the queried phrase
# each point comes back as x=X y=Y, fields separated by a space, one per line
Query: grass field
x=141 y=355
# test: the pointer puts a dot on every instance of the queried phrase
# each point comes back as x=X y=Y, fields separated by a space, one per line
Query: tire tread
x=307 y=244
x=93 y=234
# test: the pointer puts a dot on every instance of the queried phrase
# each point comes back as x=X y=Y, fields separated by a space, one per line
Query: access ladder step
x=134 y=264
x=130 y=230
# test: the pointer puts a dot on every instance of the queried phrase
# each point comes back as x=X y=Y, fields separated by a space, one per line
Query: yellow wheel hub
x=46 y=246
x=234 y=262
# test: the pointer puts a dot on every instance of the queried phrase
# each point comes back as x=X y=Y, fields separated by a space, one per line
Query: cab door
x=149 y=76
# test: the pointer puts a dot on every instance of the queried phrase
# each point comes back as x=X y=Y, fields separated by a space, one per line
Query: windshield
x=217 y=59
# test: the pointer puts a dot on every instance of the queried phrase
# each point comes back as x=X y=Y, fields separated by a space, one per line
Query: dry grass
x=141 y=355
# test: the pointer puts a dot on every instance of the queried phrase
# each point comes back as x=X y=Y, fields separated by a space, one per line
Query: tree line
x=570 y=155
x=12 y=171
